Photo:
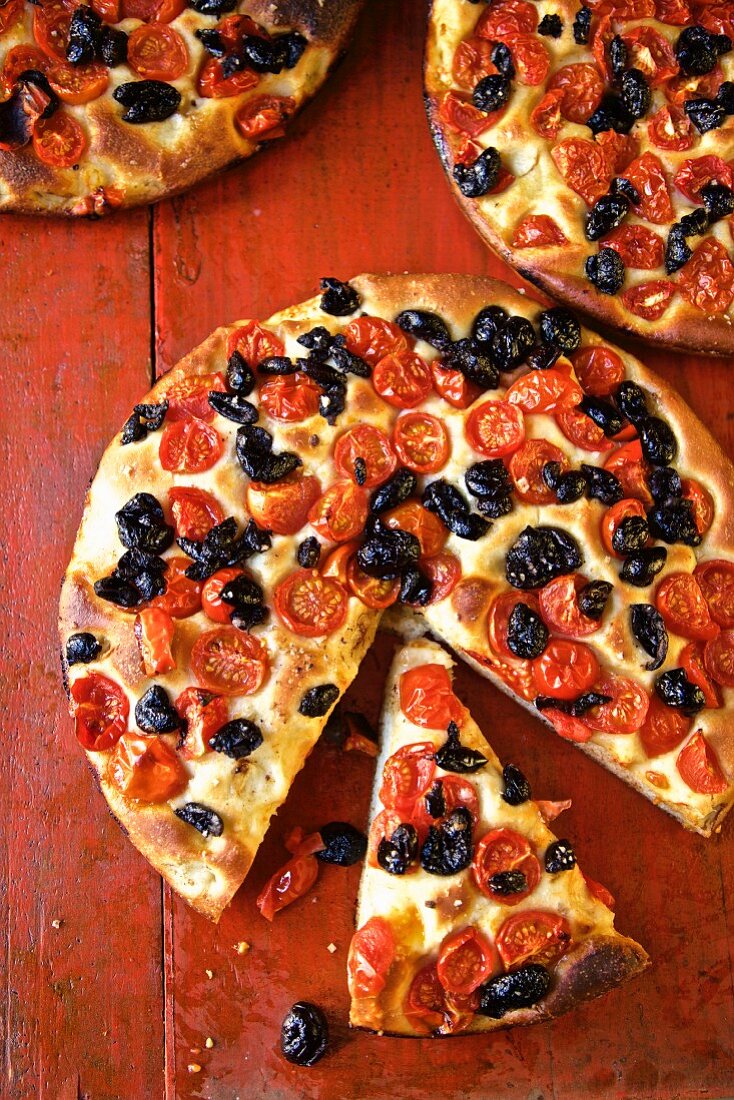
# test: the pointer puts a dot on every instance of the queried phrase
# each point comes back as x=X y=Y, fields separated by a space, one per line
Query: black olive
x=277 y=364
x=488 y=480
x=201 y=818
x=448 y=847
x=605 y=271
x=455 y=757
x=242 y=591
x=551 y=474
x=360 y=470
x=606 y=214
x=147 y=100
x=487 y=322
x=640 y=569
x=676 y=690
x=665 y=485
x=725 y=96
x=617 y=55
x=649 y=630
x=581 y=25
x=697 y=51
x=559 y=327
x=222 y=547
x=112 y=46
x=337 y=298
x=319 y=342
x=453 y=510
x=570 y=487
x=396 y=853
x=511 y=344
x=264 y=55
x=559 y=856
x=603 y=413
x=516 y=787
x=527 y=634
x=416 y=588
x=506 y=883
x=434 y=800
x=232 y=406
x=705 y=114
x=212 y=42
x=345 y=845
x=213 y=7
x=658 y=442
x=539 y=555
x=479 y=177
x=122 y=592
x=551 y=25
x=254 y=449
x=238 y=738
x=677 y=252
x=593 y=598
x=543 y=357
x=295 y=47
x=309 y=552
x=491 y=93
x=575 y=707
x=718 y=200
x=84 y=32
x=425 y=326
x=696 y=222
x=620 y=185
x=318 y=700
x=602 y=484
x=245 y=616
x=631 y=401
x=144 y=419
x=304 y=1034
x=240 y=376
x=82 y=648
x=612 y=114
x=394 y=491
x=141 y=524
x=155 y=713
x=469 y=357
x=521 y=988
x=635 y=93
x=385 y=553
x=674 y=522
x=630 y=535
x=501 y=58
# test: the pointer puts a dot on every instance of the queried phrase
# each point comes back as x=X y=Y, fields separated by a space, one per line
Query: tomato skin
x=310 y=604
x=371 y=954
x=204 y=715
x=59 y=140
x=466 y=958
x=411 y=516
x=718 y=657
x=17 y=60
x=504 y=850
x=637 y=246
x=182 y=596
x=703 y=505
x=499 y=617
x=146 y=768
x=294 y=879
x=189 y=397
x=533 y=936
x=544 y=391
x=598 y=369
x=699 y=768
x=457 y=112
x=373 y=447
x=649 y=300
x=154 y=630
x=565 y=669
x=694 y=174
x=681 y=602
x=290 y=398
x=406 y=777
x=189 y=447
x=612 y=519
x=100 y=709
x=403 y=379
x=707 y=280
x=283 y=508
x=692 y=661
x=507 y=18
x=211 y=595
x=254 y=343
x=336 y=564
x=427 y=698
x=531 y=59
x=51 y=25
x=599 y=891
x=647 y=175
x=537 y=231
x=526 y=470
x=581 y=90
x=195 y=511
x=341 y=512
x=495 y=428
x=568 y=727
x=559 y=607
x=663 y=729
x=627 y=464
x=373 y=592
x=627 y=710
x=581 y=164
x=472 y=62
x=372 y=339
x=652 y=54
x=421 y=442
x=157 y=52
x=453 y=386
x=229 y=662
x=263 y=118
x=77 y=84
x=10 y=13
x=444 y=573
x=716 y=580
x=671 y=129
x=581 y=430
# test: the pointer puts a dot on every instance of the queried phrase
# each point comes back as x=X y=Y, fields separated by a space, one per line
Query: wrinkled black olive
x=479 y=177
x=222 y=547
x=593 y=598
x=232 y=406
x=658 y=442
x=309 y=552
x=543 y=357
x=425 y=326
x=640 y=569
x=241 y=591
x=551 y=25
x=147 y=100
x=512 y=342
x=254 y=449
x=506 y=883
x=696 y=222
x=631 y=401
x=570 y=487
x=521 y=988
x=630 y=535
x=611 y=115
x=396 y=853
x=304 y=1034
x=277 y=364
x=581 y=25
x=676 y=690
x=705 y=114
x=434 y=800
x=607 y=213
x=718 y=200
x=112 y=46
x=212 y=41
x=539 y=555
x=697 y=50
x=319 y=342
x=238 y=738
x=84 y=32
x=453 y=510
x=201 y=818
x=516 y=787
x=501 y=58
x=635 y=93
x=264 y=55
x=491 y=93
x=345 y=845
x=490 y=483
x=674 y=522
x=605 y=271
x=416 y=589
x=455 y=757
x=677 y=252
x=144 y=419
x=82 y=648
x=559 y=856
x=118 y=591
x=240 y=376
x=245 y=616
x=360 y=470
x=137 y=577
x=155 y=713
x=575 y=707
x=617 y=51
x=602 y=484
x=141 y=524
x=474 y=363
x=487 y=322
x=448 y=847
x=337 y=298
x=394 y=491
x=725 y=96
x=527 y=634
x=620 y=185
x=649 y=630
x=665 y=485
x=385 y=553
x=558 y=326
x=213 y=7
x=318 y=700
x=603 y=413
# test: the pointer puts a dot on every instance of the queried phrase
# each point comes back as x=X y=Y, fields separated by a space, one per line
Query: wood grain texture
x=356 y=186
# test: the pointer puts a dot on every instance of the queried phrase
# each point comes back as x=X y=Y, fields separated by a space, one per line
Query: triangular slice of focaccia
x=471 y=915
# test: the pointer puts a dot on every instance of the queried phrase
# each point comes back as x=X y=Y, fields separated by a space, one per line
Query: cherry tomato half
x=612 y=518
x=284 y=507
x=195 y=511
x=59 y=140
x=101 y=711
x=371 y=954
x=526 y=470
x=663 y=729
x=372 y=446
x=182 y=596
x=372 y=339
x=290 y=397
x=157 y=52
x=716 y=580
x=681 y=602
x=204 y=715
x=692 y=660
x=189 y=396
x=229 y=662
x=718 y=657
x=154 y=630
x=625 y=712
x=466 y=958
x=407 y=775
x=560 y=609
x=214 y=606
x=565 y=669
x=341 y=513
x=403 y=379
x=146 y=768
x=533 y=936
x=699 y=768
x=189 y=447
x=254 y=343
x=411 y=516
x=421 y=442
x=495 y=428
x=294 y=879
x=504 y=850
x=427 y=698
x=311 y=604
x=544 y=391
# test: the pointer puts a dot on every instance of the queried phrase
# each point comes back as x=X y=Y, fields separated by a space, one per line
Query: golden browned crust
x=596 y=966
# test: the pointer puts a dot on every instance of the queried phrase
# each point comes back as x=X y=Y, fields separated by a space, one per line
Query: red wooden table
x=112 y=986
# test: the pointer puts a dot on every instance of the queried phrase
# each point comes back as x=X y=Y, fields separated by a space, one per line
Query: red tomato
x=718 y=657
x=499 y=617
x=373 y=447
x=531 y=59
x=533 y=936
x=649 y=300
x=294 y=879
x=568 y=727
x=195 y=511
x=692 y=660
x=472 y=62
x=617 y=150
x=146 y=768
x=526 y=470
x=51 y=24
x=544 y=391
x=565 y=669
x=650 y=53
x=637 y=246
x=290 y=397
x=382 y=828
x=228 y=661
x=495 y=428
x=427 y=698
x=182 y=596
x=695 y=173
x=189 y=396
x=341 y=512
x=371 y=954
x=403 y=379
x=372 y=339
x=337 y=563
x=627 y=709
x=537 y=231
x=211 y=83
x=373 y=592
x=504 y=850
x=263 y=118
x=581 y=90
x=10 y=13
x=581 y=430
x=310 y=604
x=17 y=60
x=254 y=343
x=456 y=791
x=204 y=715
x=426 y=1000
x=559 y=607
x=453 y=386
x=101 y=710
x=599 y=892
x=703 y=505
x=148 y=11
x=598 y=369
x=699 y=767
x=59 y=140
x=157 y=52
x=466 y=958
x=78 y=83
x=681 y=602
x=581 y=164
x=716 y=580
x=457 y=112
x=663 y=729
x=411 y=516
x=421 y=442
x=646 y=173
x=406 y=777
x=627 y=464
x=444 y=573
x=109 y=10
x=612 y=518
x=211 y=595
x=283 y=508
x=507 y=18
x=189 y=447
x=718 y=18
x=671 y=129
x=154 y=633
x=546 y=120
x=707 y=280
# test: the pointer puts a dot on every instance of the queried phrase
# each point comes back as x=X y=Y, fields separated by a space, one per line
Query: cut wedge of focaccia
x=471 y=914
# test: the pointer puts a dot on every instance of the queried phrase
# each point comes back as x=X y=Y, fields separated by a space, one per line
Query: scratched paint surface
x=117 y=1001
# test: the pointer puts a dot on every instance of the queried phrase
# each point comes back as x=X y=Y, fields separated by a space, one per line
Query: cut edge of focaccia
x=423 y=909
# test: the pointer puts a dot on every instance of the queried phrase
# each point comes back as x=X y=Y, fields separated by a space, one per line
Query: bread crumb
x=195 y=1050
x=331 y=947
x=209 y=974
x=194 y=1067
x=209 y=1043
x=56 y=924
x=242 y=947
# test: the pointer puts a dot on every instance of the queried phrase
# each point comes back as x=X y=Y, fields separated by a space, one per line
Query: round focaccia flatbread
x=126 y=101
x=438 y=444
x=591 y=147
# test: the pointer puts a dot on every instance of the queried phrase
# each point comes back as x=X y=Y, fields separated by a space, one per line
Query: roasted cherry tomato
x=78 y=83
x=716 y=580
x=211 y=595
x=526 y=470
x=10 y=13
x=625 y=712
x=538 y=231
x=581 y=164
x=637 y=246
x=647 y=175
x=341 y=513
x=372 y=446
x=466 y=958
x=472 y=62
x=407 y=775
x=649 y=300
x=372 y=339
x=598 y=369
x=560 y=609
x=294 y=879
x=426 y=1000
x=456 y=791
x=146 y=768
x=403 y=379
x=290 y=397
x=627 y=464
x=544 y=391
x=718 y=657
x=670 y=129
x=411 y=516
x=663 y=729
x=503 y=850
x=696 y=173
x=384 y=825
x=565 y=669
x=533 y=936
x=650 y=53
x=195 y=511
x=427 y=698
x=495 y=428
x=157 y=52
x=692 y=660
x=681 y=602
x=371 y=954
x=699 y=768
x=444 y=573
x=228 y=661
x=701 y=502
x=283 y=508
x=148 y=11
x=254 y=343
x=59 y=140
x=211 y=83
x=263 y=118
x=101 y=710
x=189 y=396
x=373 y=592
x=568 y=727
x=421 y=442
x=189 y=447
x=154 y=630
x=311 y=604
x=18 y=60
x=204 y=715
x=182 y=596
x=547 y=121
x=581 y=430
x=612 y=518
x=336 y=565
x=51 y=24
x=499 y=617
x=457 y=112
x=581 y=89
x=506 y=19
x=707 y=280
